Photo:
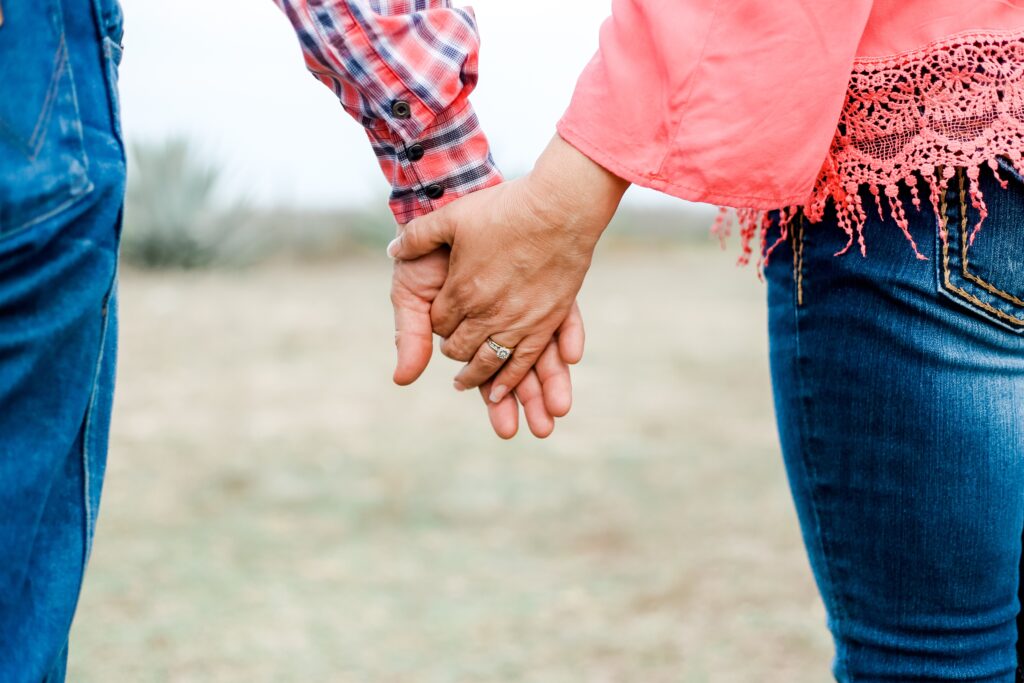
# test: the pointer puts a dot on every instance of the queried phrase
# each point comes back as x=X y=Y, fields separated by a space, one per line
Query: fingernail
x=498 y=393
x=393 y=247
x=459 y=386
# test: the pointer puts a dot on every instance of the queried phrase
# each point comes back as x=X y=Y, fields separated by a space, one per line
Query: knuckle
x=486 y=360
x=441 y=322
x=520 y=367
x=456 y=350
x=450 y=355
x=515 y=369
x=462 y=291
x=443 y=329
x=527 y=352
x=522 y=361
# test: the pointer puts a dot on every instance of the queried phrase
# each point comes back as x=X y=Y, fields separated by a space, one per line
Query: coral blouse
x=765 y=105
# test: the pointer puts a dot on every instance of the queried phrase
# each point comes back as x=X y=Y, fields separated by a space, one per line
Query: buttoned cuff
x=451 y=159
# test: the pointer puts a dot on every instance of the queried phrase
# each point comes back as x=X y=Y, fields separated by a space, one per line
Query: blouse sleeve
x=733 y=102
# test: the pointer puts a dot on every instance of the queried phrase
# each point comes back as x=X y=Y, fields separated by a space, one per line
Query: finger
x=446 y=315
x=413 y=337
x=484 y=363
x=514 y=371
x=531 y=395
x=466 y=342
x=572 y=336
x=504 y=415
x=423 y=235
x=555 y=380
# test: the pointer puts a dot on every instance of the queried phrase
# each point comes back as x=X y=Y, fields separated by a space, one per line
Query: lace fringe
x=955 y=104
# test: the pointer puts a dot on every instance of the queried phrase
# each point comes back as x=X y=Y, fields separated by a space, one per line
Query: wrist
x=585 y=194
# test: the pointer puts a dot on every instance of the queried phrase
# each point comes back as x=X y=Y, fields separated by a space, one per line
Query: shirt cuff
x=450 y=159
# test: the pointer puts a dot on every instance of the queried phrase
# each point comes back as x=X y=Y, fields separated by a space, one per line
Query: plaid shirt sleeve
x=404 y=69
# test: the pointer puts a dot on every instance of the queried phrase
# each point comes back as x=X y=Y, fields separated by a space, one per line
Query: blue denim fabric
x=899 y=394
x=61 y=190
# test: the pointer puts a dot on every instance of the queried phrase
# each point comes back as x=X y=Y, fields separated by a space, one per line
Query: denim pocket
x=43 y=166
x=986 y=276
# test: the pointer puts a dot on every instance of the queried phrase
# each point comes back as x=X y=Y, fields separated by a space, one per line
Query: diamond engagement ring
x=504 y=353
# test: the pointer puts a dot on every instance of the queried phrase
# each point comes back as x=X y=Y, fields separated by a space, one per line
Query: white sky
x=228 y=74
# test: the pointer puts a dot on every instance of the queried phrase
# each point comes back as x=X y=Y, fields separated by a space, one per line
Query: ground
x=276 y=510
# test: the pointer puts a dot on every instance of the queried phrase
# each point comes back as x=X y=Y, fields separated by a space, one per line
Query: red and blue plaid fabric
x=404 y=69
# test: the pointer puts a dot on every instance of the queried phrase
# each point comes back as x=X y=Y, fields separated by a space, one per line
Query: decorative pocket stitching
x=963 y=250
x=1002 y=315
x=31 y=147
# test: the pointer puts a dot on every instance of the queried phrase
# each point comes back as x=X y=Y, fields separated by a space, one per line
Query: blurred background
x=277 y=510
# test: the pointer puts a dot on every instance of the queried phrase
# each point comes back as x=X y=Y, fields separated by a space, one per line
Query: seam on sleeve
x=693 y=84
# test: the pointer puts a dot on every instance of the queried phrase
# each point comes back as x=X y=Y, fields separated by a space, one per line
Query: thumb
x=423 y=235
x=414 y=337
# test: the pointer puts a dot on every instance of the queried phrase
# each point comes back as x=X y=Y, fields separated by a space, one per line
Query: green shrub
x=172 y=219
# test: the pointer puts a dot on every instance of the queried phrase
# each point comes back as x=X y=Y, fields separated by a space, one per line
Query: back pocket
x=43 y=167
x=988 y=275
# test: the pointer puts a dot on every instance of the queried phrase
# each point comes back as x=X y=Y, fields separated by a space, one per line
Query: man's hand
x=519 y=253
x=546 y=390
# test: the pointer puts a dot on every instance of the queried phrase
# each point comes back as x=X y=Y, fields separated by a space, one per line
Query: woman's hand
x=519 y=253
x=545 y=392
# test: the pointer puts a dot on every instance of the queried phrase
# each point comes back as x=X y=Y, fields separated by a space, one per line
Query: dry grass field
x=277 y=511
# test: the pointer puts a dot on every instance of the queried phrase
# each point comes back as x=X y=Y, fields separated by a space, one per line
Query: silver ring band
x=504 y=353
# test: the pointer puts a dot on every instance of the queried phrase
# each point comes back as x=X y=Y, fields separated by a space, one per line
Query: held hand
x=519 y=254
x=546 y=391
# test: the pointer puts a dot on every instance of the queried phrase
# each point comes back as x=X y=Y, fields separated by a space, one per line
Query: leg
x=901 y=416
x=61 y=189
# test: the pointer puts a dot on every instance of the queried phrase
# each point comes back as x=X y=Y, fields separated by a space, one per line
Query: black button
x=415 y=153
x=401 y=109
x=433 y=191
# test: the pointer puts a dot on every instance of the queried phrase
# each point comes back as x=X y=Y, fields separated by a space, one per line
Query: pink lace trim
x=957 y=103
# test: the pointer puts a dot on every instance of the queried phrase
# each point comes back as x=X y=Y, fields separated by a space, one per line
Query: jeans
x=62 y=174
x=899 y=396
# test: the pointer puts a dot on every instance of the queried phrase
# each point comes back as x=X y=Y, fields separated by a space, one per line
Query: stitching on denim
x=31 y=147
x=38 y=134
x=800 y=267
x=112 y=79
x=76 y=194
x=796 y=255
x=71 y=201
x=797 y=238
x=819 y=536
x=946 y=269
x=965 y=263
x=90 y=514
